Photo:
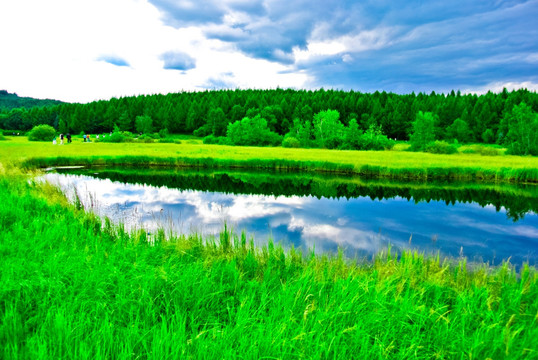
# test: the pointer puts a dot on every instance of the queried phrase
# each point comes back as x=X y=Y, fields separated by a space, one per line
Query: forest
x=283 y=113
x=10 y=101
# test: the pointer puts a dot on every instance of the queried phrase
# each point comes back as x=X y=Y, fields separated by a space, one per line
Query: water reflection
x=516 y=200
x=324 y=212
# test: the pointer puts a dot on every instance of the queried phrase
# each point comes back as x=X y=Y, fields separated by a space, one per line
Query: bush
x=440 y=147
x=119 y=137
x=163 y=133
x=252 y=132
x=116 y=137
x=42 y=133
x=202 y=131
x=2 y=137
x=145 y=139
x=372 y=139
x=291 y=142
x=210 y=139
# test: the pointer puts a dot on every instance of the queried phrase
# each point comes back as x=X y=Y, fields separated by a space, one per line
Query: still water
x=482 y=222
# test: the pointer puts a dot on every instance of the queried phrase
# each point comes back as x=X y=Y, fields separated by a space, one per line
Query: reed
x=73 y=286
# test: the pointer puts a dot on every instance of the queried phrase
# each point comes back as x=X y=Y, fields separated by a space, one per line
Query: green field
x=395 y=164
x=72 y=287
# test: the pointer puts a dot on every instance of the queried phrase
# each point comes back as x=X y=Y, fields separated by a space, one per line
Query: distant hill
x=10 y=101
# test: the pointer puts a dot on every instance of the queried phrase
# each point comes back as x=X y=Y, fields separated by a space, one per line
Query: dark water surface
x=482 y=222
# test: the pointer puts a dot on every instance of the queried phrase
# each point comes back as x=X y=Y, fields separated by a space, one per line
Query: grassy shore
x=71 y=288
x=388 y=164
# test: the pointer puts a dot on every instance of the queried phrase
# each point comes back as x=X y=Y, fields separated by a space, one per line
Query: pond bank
x=72 y=288
x=462 y=173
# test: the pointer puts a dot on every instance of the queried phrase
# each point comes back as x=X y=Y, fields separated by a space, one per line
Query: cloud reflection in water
x=358 y=225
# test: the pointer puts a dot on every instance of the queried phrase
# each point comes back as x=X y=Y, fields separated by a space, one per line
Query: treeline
x=465 y=117
x=9 y=101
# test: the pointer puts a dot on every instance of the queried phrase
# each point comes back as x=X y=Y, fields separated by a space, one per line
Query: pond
x=483 y=222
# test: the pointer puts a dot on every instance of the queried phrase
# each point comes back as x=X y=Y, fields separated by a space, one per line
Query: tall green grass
x=74 y=287
x=386 y=164
x=504 y=174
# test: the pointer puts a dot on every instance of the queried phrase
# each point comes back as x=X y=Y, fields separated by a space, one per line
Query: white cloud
x=350 y=43
x=498 y=87
x=55 y=51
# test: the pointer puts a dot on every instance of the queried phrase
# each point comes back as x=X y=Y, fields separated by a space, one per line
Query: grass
x=389 y=164
x=72 y=288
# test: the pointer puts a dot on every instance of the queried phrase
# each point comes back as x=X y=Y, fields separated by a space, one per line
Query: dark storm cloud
x=114 y=60
x=175 y=60
x=392 y=45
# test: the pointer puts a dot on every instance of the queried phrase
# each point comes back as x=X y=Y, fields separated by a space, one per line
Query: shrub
x=210 y=139
x=118 y=137
x=291 y=142
x=2 y=137
x=202 y=131
x=163 y=133
x=373 y=139
x=145 y=138
x=440 y=147
x=254 y=132
x=42 y=133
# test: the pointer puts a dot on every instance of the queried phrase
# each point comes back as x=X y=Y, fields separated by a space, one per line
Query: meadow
x=391 y=164
x=75 y=286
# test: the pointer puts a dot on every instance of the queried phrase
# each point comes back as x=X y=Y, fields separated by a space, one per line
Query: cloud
x=455 y=53
x=176 y=60
x=396 y=46
x=114 y=60
x=222 y=81
x=190 y=12
x=399 y=46
x=498 y=87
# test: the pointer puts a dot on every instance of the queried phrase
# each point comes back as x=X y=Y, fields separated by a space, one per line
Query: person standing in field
x=68 y=138
x=84 y=137
x=61 y=139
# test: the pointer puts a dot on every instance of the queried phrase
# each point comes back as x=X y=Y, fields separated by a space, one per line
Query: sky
x=86 y=50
